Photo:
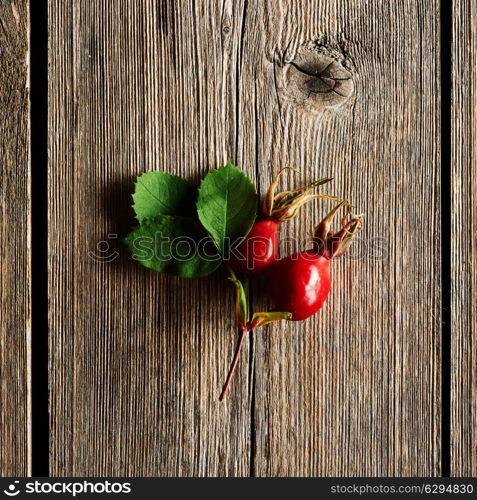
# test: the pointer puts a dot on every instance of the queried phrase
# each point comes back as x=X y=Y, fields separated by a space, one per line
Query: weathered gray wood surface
x=355 y=391
x=14 y=241
x=138 y=359
x=464 y=243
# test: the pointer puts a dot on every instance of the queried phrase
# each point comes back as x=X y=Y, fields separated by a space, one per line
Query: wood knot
x=317 y=78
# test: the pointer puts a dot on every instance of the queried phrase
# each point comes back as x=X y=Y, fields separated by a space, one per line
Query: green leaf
x=227 y=205
x=160 y=193
x=174 y=245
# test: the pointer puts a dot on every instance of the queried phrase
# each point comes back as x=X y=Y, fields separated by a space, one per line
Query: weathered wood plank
x=464 y=243
x=14 y=240
x=355 y=390
x=138 y=359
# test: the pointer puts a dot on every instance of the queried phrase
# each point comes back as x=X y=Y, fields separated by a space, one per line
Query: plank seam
x=446 y=12
x=39 y=449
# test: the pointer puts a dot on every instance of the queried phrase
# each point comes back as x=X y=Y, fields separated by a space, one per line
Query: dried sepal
x=285 y=205
x=333 y=244
x=267 y=206
x=264 y=318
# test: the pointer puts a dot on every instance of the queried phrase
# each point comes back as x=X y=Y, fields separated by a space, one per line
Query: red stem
x=234 y=364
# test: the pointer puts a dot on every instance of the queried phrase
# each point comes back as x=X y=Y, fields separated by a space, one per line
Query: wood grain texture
x=464 y=242
x=14 y=240
x=137 y=359
x=355 y=390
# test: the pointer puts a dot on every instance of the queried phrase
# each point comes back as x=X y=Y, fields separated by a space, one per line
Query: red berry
x=300 y=283
x=258 y=250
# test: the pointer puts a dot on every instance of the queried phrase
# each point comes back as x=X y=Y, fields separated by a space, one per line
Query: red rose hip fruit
x=301 y=282
x=259 y=249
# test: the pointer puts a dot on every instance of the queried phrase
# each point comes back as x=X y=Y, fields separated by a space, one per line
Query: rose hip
x=259 y=250
x=300 y=283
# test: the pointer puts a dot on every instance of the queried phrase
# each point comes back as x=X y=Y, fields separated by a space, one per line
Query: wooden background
x=464 y=242
x=14 y=241
x=137 y=360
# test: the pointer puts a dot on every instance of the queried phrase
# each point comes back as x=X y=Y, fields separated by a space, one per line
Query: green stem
x=231 y=272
